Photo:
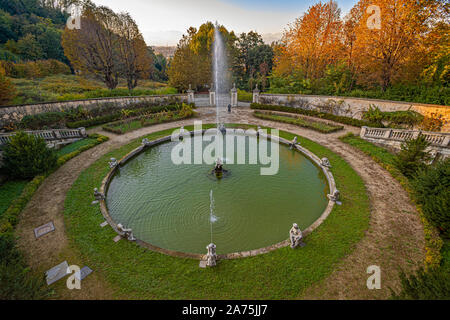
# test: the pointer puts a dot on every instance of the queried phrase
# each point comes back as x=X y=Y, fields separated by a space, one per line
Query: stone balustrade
x=439 y=141
x=52 y=137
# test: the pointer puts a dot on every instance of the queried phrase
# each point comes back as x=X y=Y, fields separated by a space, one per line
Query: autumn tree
x=7 y=89
x=135 y=59
x=313 y=41
x=380 y=54
x=93 y=48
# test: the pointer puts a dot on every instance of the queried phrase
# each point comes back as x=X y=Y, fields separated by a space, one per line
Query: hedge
x=317 y=114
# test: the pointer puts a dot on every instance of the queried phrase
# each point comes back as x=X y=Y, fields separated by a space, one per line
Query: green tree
x=26 y=156
x=431 y=188
x=29 y=48
x=192 y=62
x=412 y=156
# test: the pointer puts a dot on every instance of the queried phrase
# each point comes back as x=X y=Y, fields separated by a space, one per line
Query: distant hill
x=167 y=52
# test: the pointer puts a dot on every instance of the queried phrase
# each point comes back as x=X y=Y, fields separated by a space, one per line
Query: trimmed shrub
x=26 y=156
x=431 y=189
x=412 y=156
x=313 y=113
x=43 y=120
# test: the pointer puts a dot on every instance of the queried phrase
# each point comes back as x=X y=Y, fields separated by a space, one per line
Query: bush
x=408 y=118
x=26 y=156
x=431 y=285
x=7 y=90
x=431 y=188
x=299 y=121
x=42 y=120
x=245 y=96
x=313 y=113
x=36 y=69
x=412 y=156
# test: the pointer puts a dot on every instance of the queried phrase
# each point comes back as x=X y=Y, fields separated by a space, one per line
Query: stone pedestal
x=190 y=93
x=212 y=98
x=234 y=96
x=256 y=93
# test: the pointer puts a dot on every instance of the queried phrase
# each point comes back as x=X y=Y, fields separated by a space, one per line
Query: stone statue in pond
x=335 y=196
x=211 y=256
x=326 y=163
x=145 y=142
x=113 y=163
x=294 y=143
x=98 y=196
x=126 y=233
x=296 y=237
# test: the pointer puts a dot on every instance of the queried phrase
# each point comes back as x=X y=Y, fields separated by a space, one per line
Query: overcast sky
x=163 y=22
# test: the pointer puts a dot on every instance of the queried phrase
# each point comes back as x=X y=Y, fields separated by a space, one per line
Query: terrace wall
x=10 y=114
x=352 y=107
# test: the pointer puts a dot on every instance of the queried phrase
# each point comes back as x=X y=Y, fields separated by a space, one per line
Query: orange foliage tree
x=312 y=42
x=380 y=54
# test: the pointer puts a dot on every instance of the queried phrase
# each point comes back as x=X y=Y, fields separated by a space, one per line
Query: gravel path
x=394 y=240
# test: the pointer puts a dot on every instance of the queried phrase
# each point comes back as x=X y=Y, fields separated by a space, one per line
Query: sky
x=163 y=22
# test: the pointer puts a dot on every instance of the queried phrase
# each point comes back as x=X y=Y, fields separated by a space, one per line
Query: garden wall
x=16 y=113
x=352 y=107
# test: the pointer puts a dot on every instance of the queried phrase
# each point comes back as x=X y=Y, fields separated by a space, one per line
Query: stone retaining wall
x=351 y=107
x=16 y=113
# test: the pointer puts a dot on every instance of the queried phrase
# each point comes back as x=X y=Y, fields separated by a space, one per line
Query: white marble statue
x=325 y=163
x=294 y=143
x=296 y=236
x=335 y=196
x=98 y=196
x=113 y=163
x=127 y=233
x=211 y=256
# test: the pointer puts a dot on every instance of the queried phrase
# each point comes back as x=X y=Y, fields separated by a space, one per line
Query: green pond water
x=168 y=205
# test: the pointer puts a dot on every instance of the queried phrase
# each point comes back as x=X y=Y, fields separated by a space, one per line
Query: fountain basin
x=167 y=206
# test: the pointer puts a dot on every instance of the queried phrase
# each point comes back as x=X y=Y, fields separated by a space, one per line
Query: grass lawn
x=299 y=121
x=9 y=191
x=75 y=146
x=121 y=127
x=135 y=272
x=72 y=87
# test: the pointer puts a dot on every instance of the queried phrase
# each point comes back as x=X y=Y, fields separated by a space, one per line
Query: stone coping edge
x=244 y=254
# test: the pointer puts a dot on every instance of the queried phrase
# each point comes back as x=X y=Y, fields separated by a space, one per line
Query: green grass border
x=137 y=273
x=433 y=242
x=322 y=127
x=16 y=280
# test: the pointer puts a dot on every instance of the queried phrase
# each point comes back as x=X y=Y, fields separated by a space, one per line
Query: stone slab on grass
x=104 y=224
x=85 y=271
x=43 y=230
x=117 y=238
x=57 y=273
